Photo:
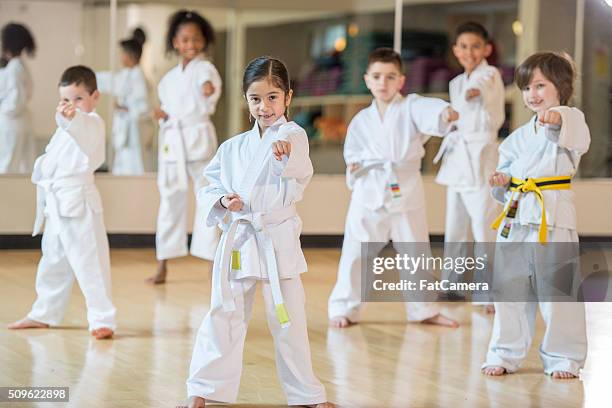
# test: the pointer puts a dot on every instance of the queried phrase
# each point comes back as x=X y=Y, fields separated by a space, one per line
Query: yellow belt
x=536 y=186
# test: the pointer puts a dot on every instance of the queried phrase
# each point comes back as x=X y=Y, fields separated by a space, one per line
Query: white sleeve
x=86 y=130
x=138 y=100
x=507 y=156
x=426 y=113
x=493 y=96
x=206 y=73
x=14 y=101
x=573 y=134
x=104 y=79
x=298 y=165
x=208 y=196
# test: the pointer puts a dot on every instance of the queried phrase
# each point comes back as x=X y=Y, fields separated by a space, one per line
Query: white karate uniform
x=187 y=141
x=17 y=144
x=74 y=242
x=132 y=128
x=469 y=157
x=266 y=235
x=534 y=151
x=389 y=151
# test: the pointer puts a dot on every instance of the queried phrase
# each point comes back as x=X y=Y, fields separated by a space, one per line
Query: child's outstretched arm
x=566 y=127
x=87 y=130
x=291 y=154
x=432 y=116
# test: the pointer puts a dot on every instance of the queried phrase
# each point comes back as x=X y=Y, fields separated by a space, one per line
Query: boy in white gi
x=256 y=178
x=74 y=243
x=187 y=139
x=132 y=124
x=469 y=153
x=16 y=143
x=383 y=152
x=533 y=179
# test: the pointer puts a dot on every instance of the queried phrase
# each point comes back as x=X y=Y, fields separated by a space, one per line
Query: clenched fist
x=550 y=117
x=450 y=115
x=498 y=179
x=66 y=109
x=232 y=202
x=280 y=148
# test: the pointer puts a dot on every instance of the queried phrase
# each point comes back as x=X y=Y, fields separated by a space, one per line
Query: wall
x=131 y=203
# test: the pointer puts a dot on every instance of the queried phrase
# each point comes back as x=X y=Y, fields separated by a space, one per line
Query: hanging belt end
x=283 y=316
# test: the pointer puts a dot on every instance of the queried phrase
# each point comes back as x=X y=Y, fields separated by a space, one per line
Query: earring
x=287 y=112
x=251 y=118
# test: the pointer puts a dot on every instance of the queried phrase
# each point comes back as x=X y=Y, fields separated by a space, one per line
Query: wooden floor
x=382 y=362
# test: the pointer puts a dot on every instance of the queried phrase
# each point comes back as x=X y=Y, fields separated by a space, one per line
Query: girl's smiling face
x=267 y=102
x=189 y=41
x=540 y=94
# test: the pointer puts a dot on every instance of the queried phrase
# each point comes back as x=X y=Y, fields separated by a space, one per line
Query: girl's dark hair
x=272 y=69
x=16 y=38
x=186 y=17
x=558 y=68
x=133 y=46
x=268 y=68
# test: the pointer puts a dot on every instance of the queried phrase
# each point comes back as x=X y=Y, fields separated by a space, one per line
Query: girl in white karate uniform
x=132 y=125
x=256 y=178
x=16 y=141
x=187 y=139
x=533 y=180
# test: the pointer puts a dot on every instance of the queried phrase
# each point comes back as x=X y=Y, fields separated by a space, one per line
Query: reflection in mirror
x=154 y=64
x=84 y=37
x=132 y=126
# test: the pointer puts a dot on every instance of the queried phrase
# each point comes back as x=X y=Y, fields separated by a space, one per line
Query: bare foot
x=320 y=405
x=195 y=402
x=102 y=333
x=489 y=309
x=562 y=375
x=340 y=322
x=494 y=371
x=441 y=320
x=160 y=276
x=26 y=323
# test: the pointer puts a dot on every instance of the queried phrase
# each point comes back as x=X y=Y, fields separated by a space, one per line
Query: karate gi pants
x=171 y=235
x=78 y=247
x=216 y=364
x=564 y=346
x=469 y=211
x=364 y=225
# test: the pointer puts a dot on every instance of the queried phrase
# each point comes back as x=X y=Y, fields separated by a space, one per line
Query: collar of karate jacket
x=483 y=64
x=280 y=121
x=189 y=64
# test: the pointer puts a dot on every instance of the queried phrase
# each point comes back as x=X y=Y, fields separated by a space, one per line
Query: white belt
x=257 y=223
x=179 y=145
x=45 y=197
x=391 y=168
x=447 y=142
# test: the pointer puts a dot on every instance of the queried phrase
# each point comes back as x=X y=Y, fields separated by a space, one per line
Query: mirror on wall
x=324 y=45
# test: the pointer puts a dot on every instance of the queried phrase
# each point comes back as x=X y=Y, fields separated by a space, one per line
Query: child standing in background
x=132 y=133
x=469 y=153
x=383 y=152
x=16 y=139
x=187 y=140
